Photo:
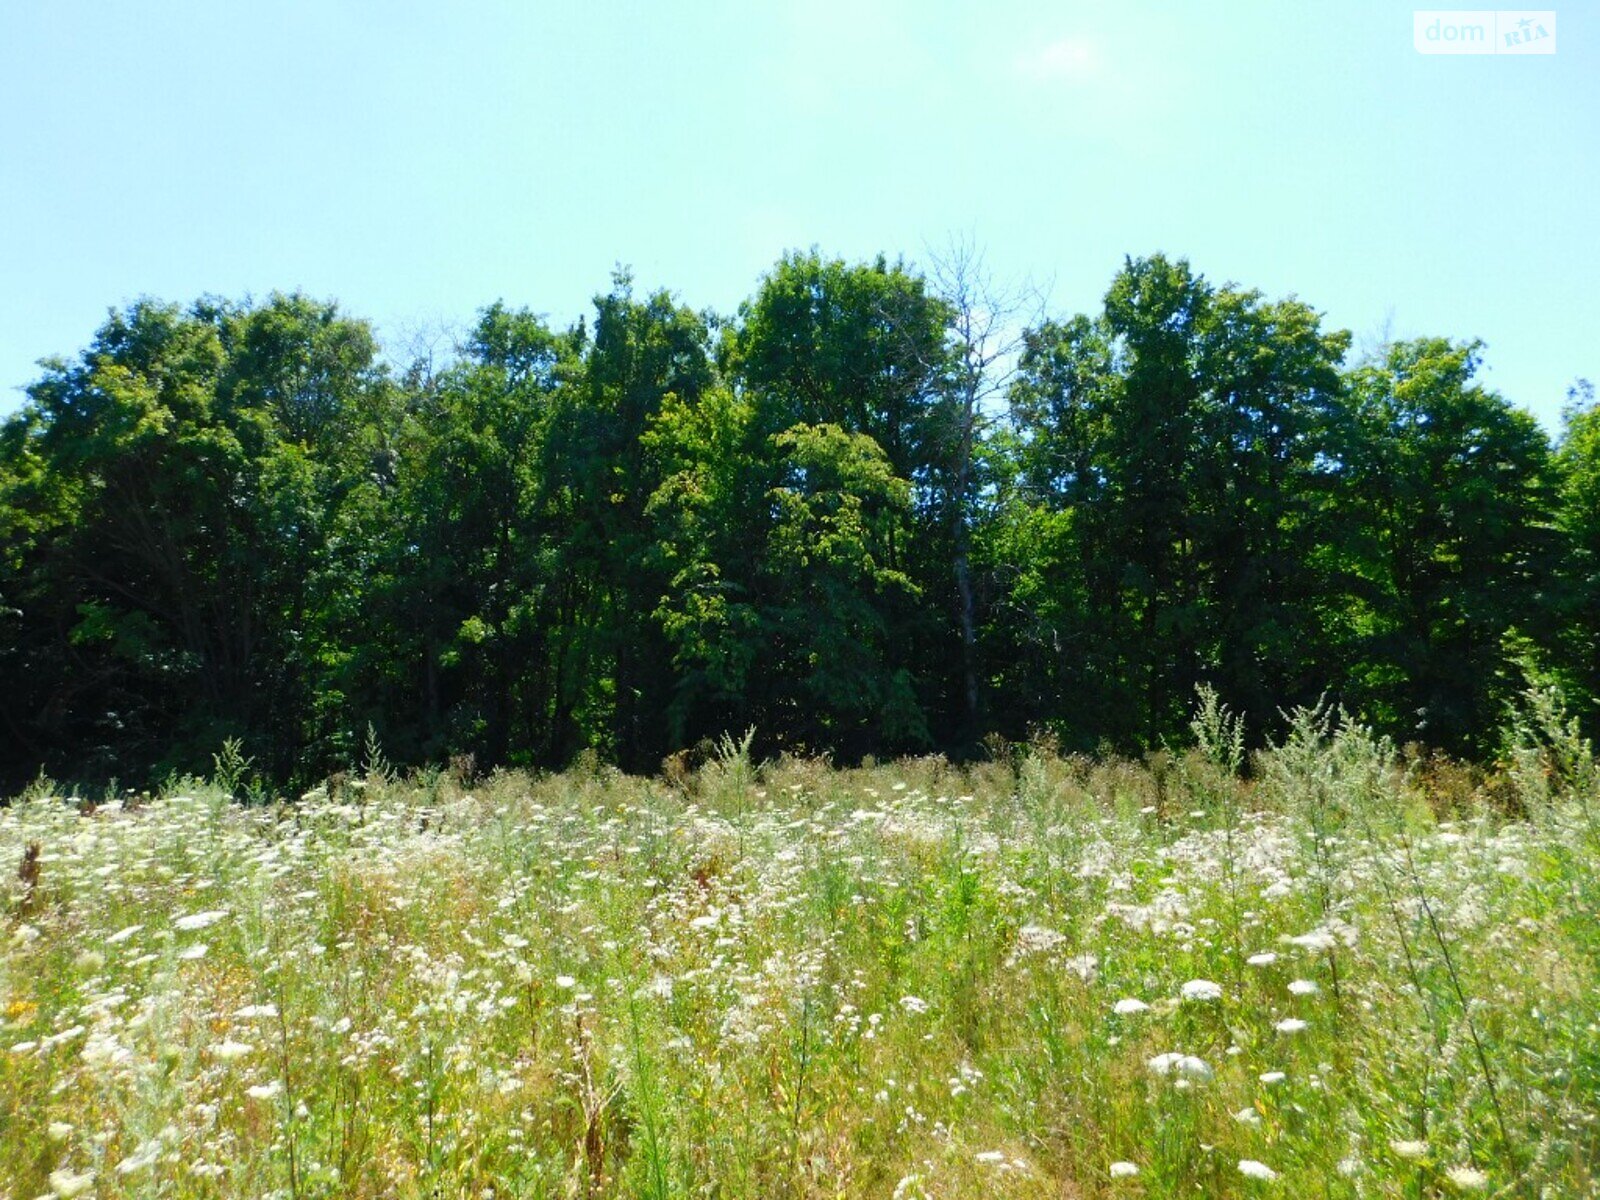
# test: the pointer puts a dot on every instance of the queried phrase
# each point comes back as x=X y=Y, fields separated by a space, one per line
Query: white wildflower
x=1036 y=939
x=1290 y=1025
x=1186 y=1066
x=1467 y=1179
x=145 y=1156
x=1251 y=1169
x=67 y=1185
x=1262 y=960
x=1409 y=1148
x=229 y=1050
x=1202 y=990
x=1129 y=1007
x=1123 y=1170
x=1317 y=939
x=1303 y=987
x=200 y=920
x=1085 y=966
x=104 y=1049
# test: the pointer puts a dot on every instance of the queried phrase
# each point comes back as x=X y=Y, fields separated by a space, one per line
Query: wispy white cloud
x=1072 y=59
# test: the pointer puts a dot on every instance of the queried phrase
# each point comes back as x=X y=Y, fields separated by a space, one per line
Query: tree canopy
x=833 y=515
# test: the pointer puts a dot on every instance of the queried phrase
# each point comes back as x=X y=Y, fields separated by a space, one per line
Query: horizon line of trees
x=874 y=511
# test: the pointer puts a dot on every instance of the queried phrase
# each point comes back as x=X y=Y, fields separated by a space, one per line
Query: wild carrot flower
x=1467 y=1179
x=1187 y=1066
x=66 y=1185
x=1085 y=966
x=199 y=920
x=1317 y=939
x=145 y=1156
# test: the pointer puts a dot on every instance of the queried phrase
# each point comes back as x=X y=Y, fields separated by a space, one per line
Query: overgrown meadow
x=1328 y=971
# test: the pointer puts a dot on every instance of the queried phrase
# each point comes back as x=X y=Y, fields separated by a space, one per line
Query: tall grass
x=1316 y=973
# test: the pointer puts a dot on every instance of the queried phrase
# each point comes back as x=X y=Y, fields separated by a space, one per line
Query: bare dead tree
x=988 y=321
x=420 y=349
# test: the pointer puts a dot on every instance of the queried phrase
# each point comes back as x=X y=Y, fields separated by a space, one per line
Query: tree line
x=869 y=513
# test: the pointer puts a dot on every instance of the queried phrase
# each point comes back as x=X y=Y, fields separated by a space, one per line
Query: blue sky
x=420 y=161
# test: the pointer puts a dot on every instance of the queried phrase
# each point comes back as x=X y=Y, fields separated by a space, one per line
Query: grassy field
x=1339 y=974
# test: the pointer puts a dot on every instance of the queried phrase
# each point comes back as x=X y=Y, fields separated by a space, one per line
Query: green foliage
x=1186 y=436
x=1453 y=543
x=375 y=767
x=231 y=768
x=1218 y=733
x=835 y=517
x=1578 y=470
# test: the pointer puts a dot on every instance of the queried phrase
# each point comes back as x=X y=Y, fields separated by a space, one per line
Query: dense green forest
x=861 y=515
